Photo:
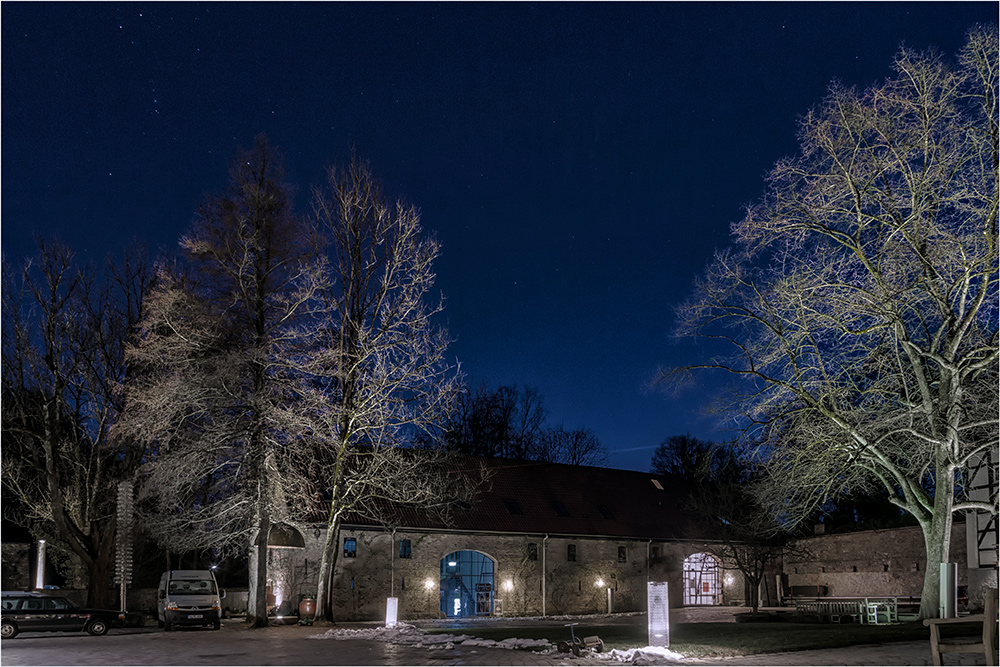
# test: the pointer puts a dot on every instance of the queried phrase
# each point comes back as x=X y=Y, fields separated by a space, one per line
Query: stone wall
x=869 y=562
x=362 y=583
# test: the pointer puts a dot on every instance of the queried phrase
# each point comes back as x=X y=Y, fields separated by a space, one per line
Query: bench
x=873 y=610
x=988 y=645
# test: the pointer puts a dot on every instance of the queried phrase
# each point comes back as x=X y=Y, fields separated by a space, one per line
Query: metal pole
x=948 y=596
x=544 y=540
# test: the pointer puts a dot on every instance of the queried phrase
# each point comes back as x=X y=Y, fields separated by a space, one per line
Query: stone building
x=883 y=562
x=982 y=528
x=539 y=539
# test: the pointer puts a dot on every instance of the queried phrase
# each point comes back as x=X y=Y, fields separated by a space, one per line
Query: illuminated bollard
x=659 y=613
x=391 y=612
x=40 y=566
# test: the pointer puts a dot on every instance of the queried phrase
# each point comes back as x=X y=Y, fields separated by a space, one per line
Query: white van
x=189 y=597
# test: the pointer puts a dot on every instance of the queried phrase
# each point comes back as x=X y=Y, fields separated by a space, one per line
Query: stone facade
x=363 y=582
x=870 y=562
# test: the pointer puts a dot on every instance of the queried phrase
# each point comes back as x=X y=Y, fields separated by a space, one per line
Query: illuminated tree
x=380 y=377
x=223 y=335
x=861 y=299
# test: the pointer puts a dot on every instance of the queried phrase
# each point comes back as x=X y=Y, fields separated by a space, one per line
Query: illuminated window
x=701 y=579
x=350 y=547
x=404 y=548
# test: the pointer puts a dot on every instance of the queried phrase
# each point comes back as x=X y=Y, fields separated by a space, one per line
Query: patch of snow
x=410 y=635
x=648 y=655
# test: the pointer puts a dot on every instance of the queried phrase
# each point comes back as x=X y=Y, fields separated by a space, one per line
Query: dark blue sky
x=579 y=162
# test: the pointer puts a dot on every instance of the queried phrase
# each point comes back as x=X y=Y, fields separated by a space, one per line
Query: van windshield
x=192 y=587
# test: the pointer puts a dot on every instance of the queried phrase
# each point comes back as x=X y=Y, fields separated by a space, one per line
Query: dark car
x=34 y=612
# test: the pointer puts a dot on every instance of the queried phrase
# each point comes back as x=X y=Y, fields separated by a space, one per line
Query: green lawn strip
x=725 y=639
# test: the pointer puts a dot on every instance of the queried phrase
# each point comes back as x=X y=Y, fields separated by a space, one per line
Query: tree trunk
x=99 y=583
x=102 y=567
x=257 y=607
x=937 y=541
x=754 y=591
x=327 y=568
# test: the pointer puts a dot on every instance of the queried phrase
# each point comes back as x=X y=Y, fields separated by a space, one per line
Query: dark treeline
x=510 y=423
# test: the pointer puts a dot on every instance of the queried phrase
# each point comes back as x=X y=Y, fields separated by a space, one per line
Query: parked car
x=36 y=612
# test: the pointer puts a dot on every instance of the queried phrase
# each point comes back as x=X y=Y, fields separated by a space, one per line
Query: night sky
x=579 y=162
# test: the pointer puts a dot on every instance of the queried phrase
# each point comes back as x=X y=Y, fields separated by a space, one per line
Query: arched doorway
x=701 y=579
x=467 y=584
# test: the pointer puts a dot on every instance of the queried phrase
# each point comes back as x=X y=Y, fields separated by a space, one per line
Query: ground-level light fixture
x=728 y=579
x=429 y=584
x=508 y=585
x=599 y=583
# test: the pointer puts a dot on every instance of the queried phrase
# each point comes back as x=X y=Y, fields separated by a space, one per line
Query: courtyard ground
x=296 y=645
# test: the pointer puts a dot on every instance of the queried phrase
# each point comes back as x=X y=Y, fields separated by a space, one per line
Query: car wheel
x=97 y=627
x=159 y=624
x=8 y=630
x=217 y=624
x=166 y=626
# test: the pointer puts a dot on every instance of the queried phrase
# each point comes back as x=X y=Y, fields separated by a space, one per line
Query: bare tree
x=579 y=447
x=223 y=338
x=510 y=423
x=861 y=301
x=683 y=456
x=505 y=422
x=380 y=375
x=720 y=493
x=65 y=328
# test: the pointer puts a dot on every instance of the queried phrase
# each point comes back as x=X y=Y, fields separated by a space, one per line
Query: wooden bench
x=988 y=645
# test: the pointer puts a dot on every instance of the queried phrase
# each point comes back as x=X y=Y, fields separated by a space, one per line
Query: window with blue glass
x=350 y=547
x=467 y=584
x=404 y=548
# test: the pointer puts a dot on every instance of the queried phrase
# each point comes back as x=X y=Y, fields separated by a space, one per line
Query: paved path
x=232 y=645
x=898 y=653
